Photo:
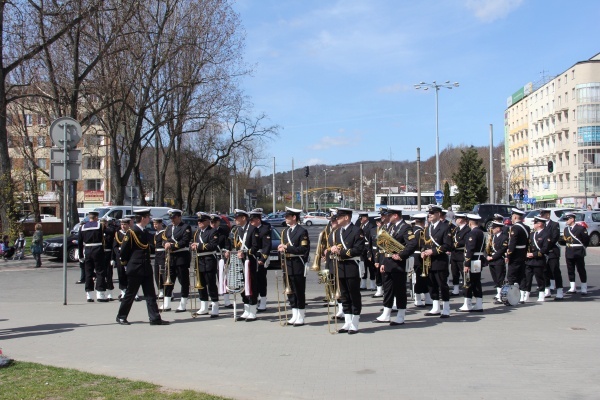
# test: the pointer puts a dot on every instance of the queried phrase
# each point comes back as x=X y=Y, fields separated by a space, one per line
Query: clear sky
x=338 y=76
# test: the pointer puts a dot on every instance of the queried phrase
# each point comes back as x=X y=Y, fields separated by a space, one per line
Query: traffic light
x=550 y=166
x=306 y=171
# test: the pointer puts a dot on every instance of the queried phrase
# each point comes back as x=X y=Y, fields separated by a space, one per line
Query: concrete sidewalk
x=538 y=350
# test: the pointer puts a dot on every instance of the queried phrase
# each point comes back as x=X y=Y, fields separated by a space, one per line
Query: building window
x=573 y=74
x=93 y=184
x=92 y=140
x=92 y=162
x=42 y=187
x=41 y=163
x=41 y=141
x=41 y=120
x=28 y=119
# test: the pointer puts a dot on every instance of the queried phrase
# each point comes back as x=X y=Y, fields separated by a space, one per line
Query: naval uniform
x=439 y=240
x=208 y=241
x=117 y=243
x=295 y=238
x=351 y=242
x=135 y=257
x=517 y=253
x=90 y=242
x=394 y=275
x=539 y=246
x=244 y=238
x=372 y=233
x=264 y=245
x=179 y=236
x=109 y=238
x=367 y=256
x=474 y=243
x=457 y=257
x=421 y=286
x=497 y=264
x=576 y=239
x=159 y=259
x=552 y=233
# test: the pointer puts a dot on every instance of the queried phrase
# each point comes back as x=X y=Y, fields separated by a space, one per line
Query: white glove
x=112 y=263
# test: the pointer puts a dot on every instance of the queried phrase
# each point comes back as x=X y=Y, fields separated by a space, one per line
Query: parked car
x=274 y=262
x=54 y=248
x=487 y=210
x=555 y=214
x=275 y=219
x=591 y=218
x=316 y=218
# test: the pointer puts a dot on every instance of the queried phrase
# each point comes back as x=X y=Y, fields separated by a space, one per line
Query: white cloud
x=328 y=142
x=491 y=10
x=314 y=161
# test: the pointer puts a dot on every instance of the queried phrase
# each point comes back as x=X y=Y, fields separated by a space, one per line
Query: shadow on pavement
x=38 y=330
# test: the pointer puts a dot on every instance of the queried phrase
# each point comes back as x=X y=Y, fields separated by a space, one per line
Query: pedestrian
x=7 y=249
x=36 y=245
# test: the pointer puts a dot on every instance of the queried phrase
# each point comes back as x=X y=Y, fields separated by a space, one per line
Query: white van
x=118 y=212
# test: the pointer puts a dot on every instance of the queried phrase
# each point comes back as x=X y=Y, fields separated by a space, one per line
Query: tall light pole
x=383 y=181
x=326 y=170
x=436 y=86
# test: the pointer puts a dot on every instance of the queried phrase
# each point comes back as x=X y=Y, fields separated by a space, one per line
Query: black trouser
x=180 y=270
x=298 y=297
x=438 y=281
x=209 y=283
x=515 y=272
x=474 y=289
x=530 y=271
x=553 y=272
x=134 y=283
x=94 y=262
x=261 y=277
x=579 y=264
x=378 y=277
x=369 y=269
x=498 y=274
x=421 y=285
x=109 y=269
x=394 y=286
x=351 y=298
x=159 y=263
x=456 y=266
x=121 y=275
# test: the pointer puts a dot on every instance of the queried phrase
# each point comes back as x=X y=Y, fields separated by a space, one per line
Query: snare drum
x=510 y=295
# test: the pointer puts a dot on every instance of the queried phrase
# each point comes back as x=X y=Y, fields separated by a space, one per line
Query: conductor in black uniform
x=349 y=246
x=516 y=254
x=263 y=230
x=295 y=245
x=474 y=247
x=90 y=241
x=176 y=239
x=437 y=243
x=205 y=244
x=393 y=267
x=135 y=256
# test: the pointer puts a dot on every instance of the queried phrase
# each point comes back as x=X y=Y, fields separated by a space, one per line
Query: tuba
x=386 y=242
x=321 y=245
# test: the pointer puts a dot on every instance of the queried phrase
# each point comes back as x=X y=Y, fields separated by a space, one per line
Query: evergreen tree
x=470 y=180
x=447 y=202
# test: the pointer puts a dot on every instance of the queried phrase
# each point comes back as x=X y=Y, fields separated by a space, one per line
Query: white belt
x=520 y=247
x=574 y=245
x=352 y=259
x=107 y=249
x=417 y=252
x=180 y=250
x=206 y=253
x=479 y=254
x=92 y=244
x=157 y=250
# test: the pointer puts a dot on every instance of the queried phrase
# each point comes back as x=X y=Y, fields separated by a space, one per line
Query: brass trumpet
x=321 y=245
x=467 y=283
x=168 y=281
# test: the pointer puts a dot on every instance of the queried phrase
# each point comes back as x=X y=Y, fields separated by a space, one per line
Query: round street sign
x=439 y=196
x=57 y=132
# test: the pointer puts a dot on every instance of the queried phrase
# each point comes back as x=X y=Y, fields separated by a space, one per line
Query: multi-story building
x=557 y=120
x=29 y=142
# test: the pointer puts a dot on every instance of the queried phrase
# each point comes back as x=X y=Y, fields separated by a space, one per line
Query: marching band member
x=553 y=274
x=135 y=255
x=296 y=245
x=518 y=238
x=437 y=243
x=367 y=256
x=264 y=245
x=329 y=261
x=204 y=243
x=457 y=257
x=577 y=239
x=245 y=243
x=539 y=246
x=159 y=255
x=474 y=243
x=176 y=239
x=117 y=243
x=383 y=225
x=222 y=246
x=421 y=287
x=394 y=268
x=109 y=238
x=91 y=238
x=498 y=244
x=349 y=245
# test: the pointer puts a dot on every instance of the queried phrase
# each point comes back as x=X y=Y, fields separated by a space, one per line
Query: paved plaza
x=534 y=351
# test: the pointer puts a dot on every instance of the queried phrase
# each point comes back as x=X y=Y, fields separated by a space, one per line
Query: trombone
x=283 y=317
x=167 y=279
x=197 y=279
x=332 y=292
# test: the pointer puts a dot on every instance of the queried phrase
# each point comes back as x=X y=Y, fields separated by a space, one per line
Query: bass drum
x=510 y=295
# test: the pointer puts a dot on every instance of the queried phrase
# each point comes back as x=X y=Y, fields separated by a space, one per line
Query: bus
x=408 y=200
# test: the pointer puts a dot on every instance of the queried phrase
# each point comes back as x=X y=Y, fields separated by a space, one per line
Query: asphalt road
x=537 y=350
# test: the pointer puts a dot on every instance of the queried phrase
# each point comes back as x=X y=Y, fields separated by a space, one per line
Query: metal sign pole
x=65 y=226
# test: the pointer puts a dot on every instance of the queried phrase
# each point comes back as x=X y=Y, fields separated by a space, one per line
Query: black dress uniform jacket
x=351 y=242
x=403 y=233
x=459 y=236
x=552 y=233
x=419 y=236
x=498 y=249
x=296 y=253
x=474 y=243
x=517 y=243
x=539 y=246
x=159 y=248
x=206 y=251
x=91 y=232
x=249 y=245
x=439 y=240
x=135 y=252
x=263 y=237
x=576 y=239
x=180 y=236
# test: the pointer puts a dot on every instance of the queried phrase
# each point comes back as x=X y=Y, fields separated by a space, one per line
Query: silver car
x=591 y=218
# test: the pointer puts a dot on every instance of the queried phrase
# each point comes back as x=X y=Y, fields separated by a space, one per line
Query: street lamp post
x=436 y=86
x=325 y=191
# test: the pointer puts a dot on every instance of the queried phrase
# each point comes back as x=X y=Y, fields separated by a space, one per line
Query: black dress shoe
x=122 y=321
x=583 y=294
x=559 y=298
x=261 y=309
x=342 y=330
x=165 y=310
x=376 y=321
x=393 y=323
x=179 y=311
x=480 y=310
x=79 y=282
x=159 y=322
x=90 y=300
x=103 y=300
x=214 y=315
x=251 y=319
x=444 y=316
x=229 y=306
x=352 y=332
x=429 y=314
